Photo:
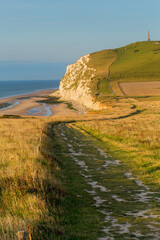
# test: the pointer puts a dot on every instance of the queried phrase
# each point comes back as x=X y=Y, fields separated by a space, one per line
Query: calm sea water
x=13 y=88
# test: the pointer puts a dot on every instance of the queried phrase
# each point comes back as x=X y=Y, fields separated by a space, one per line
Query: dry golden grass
x=29 y=188
x=27 y=178
x=102 y=60
x=138 y=135
x=116 y=89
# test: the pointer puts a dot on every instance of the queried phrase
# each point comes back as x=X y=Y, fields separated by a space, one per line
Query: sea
x=18 y=87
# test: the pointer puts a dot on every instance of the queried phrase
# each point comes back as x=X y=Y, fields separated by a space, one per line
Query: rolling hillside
x=138 y=61
x=110 y=72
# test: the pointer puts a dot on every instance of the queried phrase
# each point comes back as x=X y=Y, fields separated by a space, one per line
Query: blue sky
x=58 y=32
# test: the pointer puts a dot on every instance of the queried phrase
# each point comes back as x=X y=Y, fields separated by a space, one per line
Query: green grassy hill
x=138 y=61
x=101 y=61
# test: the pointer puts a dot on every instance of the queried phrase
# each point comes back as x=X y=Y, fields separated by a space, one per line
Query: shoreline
x=27 y=105
x=42 y=93
x=25 y=102
x=27 y=93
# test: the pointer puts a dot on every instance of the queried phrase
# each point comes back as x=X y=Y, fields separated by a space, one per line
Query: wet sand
x=27 y=104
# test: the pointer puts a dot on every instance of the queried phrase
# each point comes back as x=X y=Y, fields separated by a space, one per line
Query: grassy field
x=85 y=178
x=137 y=62
x=118 y=160
x=101 y=61
x=135 y=138
x=29 y=189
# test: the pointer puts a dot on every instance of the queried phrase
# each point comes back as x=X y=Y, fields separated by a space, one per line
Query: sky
x=39 y=38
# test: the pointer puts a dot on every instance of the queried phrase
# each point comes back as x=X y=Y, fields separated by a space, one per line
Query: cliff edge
x=75 y=85
x=81 y=79
x=97 y=76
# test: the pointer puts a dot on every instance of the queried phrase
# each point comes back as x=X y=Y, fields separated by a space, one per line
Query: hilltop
x=138 y=61
x=102 y=73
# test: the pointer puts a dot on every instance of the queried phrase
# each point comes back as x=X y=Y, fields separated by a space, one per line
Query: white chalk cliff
x=74 y=86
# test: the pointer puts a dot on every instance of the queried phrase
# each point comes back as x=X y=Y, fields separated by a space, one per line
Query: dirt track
x=140 y=88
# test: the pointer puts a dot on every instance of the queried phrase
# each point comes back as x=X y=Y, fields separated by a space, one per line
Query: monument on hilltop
x=149 y=39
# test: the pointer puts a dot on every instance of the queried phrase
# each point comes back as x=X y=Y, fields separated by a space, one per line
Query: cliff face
x=74 y=86
x=93 y=78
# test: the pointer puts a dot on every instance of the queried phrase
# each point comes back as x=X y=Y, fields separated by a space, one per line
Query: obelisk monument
x=149 y=36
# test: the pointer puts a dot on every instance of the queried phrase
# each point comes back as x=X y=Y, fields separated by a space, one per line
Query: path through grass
x=68 y=185
x=112 y=202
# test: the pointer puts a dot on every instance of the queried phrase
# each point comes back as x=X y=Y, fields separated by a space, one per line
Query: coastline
x=44 y=92
x=27 y=105
x=28 y=93
x=25 y=102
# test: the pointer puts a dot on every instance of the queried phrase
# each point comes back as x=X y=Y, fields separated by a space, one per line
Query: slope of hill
x=138 y=61
x=97 y=75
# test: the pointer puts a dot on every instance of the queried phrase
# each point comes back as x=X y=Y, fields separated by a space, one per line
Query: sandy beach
x=27 y=104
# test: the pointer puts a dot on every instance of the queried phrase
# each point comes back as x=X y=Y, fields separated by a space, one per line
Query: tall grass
x=28 y=186
x=134 y=139
x=31 y=193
